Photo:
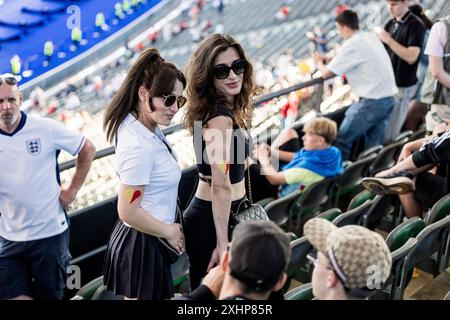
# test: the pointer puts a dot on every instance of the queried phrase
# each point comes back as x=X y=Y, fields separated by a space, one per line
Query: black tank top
x=239 y=149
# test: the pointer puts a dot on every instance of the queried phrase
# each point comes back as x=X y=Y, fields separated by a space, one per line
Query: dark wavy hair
x=150 y=71
x=420 y=13
x=202 y=94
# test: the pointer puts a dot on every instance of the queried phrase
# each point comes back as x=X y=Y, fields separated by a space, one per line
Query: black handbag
x=247 y=211
x=169 y=253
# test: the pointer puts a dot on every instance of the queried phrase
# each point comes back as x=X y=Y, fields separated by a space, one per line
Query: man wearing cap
x=34 y=234
x=351 y=262
x=252 y=269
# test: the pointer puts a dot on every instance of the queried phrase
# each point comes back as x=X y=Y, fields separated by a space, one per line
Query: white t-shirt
x=29 y=188
x=437 y=40
x=365 y=62
x=143 y=159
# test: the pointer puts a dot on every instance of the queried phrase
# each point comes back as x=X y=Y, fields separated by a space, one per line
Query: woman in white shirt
x=135 y=264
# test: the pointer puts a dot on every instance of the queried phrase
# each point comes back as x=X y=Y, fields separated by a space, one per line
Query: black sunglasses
x=9 y=80
x=170 y=99
x=222 y=71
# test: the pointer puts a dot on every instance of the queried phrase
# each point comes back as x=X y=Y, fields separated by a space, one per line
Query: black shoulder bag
x=169 y=253
x=247 y=210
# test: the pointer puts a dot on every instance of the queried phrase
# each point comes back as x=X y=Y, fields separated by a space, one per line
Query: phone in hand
x=436 y=117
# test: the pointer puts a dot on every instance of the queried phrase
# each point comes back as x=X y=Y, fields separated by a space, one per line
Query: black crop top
x=239 y=144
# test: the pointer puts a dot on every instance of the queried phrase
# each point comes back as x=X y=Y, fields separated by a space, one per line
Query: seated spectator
x=351 y=262
x=418 y=188
x=252 y=269
x=299 y=167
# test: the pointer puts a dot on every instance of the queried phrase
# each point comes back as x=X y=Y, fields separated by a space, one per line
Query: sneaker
x=396 y=183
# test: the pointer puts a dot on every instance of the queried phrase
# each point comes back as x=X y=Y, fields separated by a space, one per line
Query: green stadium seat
x=88 y=290
x=329 y=214
x=360 y=198
x=303 y=292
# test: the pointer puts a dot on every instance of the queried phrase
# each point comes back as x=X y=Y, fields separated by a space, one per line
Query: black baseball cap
x=260 y=253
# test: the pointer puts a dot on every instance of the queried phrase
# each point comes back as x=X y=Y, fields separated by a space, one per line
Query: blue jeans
x=399 y=113
x=368 y=118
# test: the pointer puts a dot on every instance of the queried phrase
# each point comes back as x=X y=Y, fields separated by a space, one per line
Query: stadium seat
x=368 y=152
x=7 y=34
x=354 y=216
x=278 y=210
x=303 y=292
x=419 y=134
x=298 y=267
x=400 y=241
x=382 y=206
x=360 y=198
x=102 y=294
x=426 y=254
x=88 y=290
x=292 y=236
x=21 y=19
x=310 y=202
x=447 y=296
x=350 y=181
x=403 y=135
x=401 y=234
x=387 y=157
x=389 y=289
x=44 y=7
x=329 y=214
x=264 y=202
x=180 y=270
x=440 y=210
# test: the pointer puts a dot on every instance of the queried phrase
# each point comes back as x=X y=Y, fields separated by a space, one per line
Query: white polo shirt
x=143 y=159
x=29 y=178
x=367 y=66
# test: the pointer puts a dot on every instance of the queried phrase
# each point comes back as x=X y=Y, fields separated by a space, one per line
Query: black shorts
x=429 y=189
x=35 y=268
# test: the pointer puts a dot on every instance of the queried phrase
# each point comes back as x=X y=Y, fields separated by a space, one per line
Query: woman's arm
x=438 y=71
x=218 y=137
x=130 y=212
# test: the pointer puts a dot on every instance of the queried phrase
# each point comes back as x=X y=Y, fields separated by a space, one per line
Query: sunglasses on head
x=11 y=80
x=222 y=71
x=170 y=99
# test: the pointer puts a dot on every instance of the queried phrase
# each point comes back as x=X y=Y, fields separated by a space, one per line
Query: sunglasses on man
x=9 y=79
x=170 y=99
x=222 y=71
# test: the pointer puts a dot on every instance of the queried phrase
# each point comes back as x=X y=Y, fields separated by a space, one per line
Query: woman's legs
x=200 y=237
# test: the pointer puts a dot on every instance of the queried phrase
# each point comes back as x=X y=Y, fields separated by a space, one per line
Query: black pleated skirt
x=134 y=266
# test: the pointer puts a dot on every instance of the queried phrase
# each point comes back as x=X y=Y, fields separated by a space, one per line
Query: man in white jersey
x=366 y=64
x=34 y=235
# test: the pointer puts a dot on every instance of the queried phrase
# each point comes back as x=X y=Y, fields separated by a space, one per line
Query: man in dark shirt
x=254 y=267
x=403 y=37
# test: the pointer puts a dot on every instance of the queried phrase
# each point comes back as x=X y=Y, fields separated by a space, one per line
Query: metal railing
x=260 y=100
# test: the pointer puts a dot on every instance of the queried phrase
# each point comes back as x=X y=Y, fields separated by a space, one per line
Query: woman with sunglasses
x=220 y=90
x=135 y=264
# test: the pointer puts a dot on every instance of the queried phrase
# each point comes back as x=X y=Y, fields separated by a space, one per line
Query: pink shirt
x=437 y=40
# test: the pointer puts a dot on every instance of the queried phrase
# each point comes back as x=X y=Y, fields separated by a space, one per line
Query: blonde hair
x=323 y=127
